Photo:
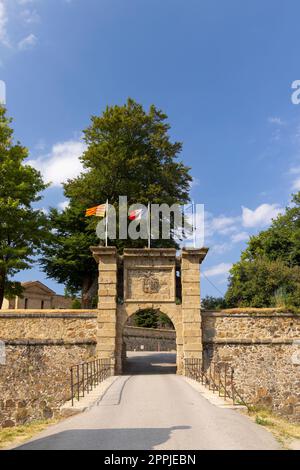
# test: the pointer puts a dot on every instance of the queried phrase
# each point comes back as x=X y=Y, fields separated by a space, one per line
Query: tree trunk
x=2 y=285
x=89 y=290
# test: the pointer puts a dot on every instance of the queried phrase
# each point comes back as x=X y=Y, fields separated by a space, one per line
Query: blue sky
x=221 y=70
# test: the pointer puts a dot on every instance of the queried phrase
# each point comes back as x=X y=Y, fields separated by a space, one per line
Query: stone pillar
x=106 y=258
x=191 y=301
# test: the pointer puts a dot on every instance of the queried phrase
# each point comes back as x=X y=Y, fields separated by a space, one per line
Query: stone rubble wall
x=264 y=350
x=61 y=302
x=40 y=348
x=250 y=326
x=149 y=339
x=35 y=381
x=67 y=325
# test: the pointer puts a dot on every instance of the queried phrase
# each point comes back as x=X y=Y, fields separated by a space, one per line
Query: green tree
x=76 y=304
x=151 y=318
x=213 y=303
x=67 y=257
x=281 y=240
x=147 y=318
x=22 y=229
x=263 y=283
x=129 y=153
x=164 y=321
x=268 y=271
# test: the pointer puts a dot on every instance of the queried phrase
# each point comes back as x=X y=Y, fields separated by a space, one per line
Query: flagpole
x=149 y=226
x=106 y=225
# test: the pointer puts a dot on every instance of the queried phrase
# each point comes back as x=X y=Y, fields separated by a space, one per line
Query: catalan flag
x=98 y=211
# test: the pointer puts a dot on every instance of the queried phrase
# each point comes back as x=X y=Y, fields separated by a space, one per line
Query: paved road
x=153 y=363
x=154 y=411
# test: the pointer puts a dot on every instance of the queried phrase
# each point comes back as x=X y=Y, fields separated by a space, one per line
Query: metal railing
x=87 y=375
x=218 y=377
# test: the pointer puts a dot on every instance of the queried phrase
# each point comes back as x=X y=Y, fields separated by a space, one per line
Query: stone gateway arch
x=149 y=278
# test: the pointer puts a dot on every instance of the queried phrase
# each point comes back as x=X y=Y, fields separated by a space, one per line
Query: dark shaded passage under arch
x=149 y=343
x=154 y=363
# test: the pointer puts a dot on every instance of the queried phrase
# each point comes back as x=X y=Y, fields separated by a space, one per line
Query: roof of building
x=38 y=284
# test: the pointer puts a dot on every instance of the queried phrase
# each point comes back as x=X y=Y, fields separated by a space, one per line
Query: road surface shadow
x=150 y=363
x=104 y=439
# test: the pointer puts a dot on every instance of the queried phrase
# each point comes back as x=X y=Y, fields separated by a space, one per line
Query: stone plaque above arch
x=149 y=276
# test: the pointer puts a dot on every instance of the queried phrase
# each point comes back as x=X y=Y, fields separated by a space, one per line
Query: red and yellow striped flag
x=98 y=211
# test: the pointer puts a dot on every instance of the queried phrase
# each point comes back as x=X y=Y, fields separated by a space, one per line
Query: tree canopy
x=129 y=153
x=213 y=303
x=281 y=240
x=22 y=228
x=150 y=318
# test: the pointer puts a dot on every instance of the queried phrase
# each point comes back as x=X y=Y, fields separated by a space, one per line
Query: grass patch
x=262 y=421
x=283 y=430
x=19 y=434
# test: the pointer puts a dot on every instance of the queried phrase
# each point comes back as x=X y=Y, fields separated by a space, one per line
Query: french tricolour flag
x=136 y=215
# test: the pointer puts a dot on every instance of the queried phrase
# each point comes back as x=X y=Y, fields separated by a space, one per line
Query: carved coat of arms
x=151 y=284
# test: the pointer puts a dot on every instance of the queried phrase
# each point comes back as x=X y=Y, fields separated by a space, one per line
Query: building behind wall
x=37 y=296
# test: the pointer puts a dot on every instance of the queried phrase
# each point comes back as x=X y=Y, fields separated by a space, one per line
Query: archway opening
x=149 y=344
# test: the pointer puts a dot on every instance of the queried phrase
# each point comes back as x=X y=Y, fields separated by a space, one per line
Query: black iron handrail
x=217 y=377
x=87 y=375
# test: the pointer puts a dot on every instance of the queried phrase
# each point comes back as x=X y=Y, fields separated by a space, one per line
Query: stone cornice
x=48 y=342
x=67 y=315
x=251 y=342
x=254 y=314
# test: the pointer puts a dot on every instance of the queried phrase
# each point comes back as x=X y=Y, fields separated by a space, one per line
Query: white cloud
x=62 y=163
x=220 y=248
x=240 y=237
x=261 y=216
x=2 y=92
x=276 y=135
x=63 y=205
x=40 y=145
x=20 y=14
x=30 y=16
x=276 y=120
x=27 y=42
x=221 y=224
x=25 y=2
x=44 y=210
x=3 y=24
x=295 y=170
x=11 y=12
x=195 y=182
x=218 y=269
x=296 y=183
x=278 y=123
